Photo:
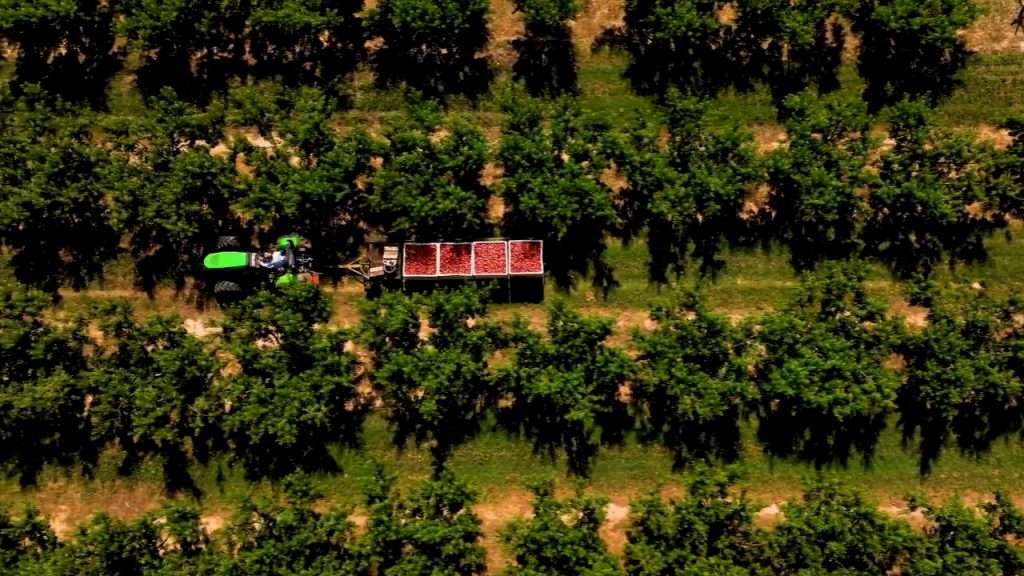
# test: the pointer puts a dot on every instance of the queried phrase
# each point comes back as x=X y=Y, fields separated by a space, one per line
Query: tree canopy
x=565 y=392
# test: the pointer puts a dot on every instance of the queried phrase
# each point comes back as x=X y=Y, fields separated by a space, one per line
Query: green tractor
x=235 y=272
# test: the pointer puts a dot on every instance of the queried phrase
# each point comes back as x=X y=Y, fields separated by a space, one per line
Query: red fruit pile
x=489 y=258
x=420 y=260
x=456 y=259
x=525 y=257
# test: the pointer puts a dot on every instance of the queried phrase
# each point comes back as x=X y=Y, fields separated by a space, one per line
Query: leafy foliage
x=957 y=540
x=691 y=196
x=54 y=211
x=320 y=194
x=25 y=540
x=700 y=47
x=564 y=392
x=432 y=530
x=709 y=531
x=306 y=43
x=1004 y=198
x=429 y=188
x=294 y=391
x=67 y=47
x=824 y=388
x=792 y=45
x=178 y=198
x=963 y=377
x=546 y=57
x=293 y=537
x=692 y=385
x=150 y=392
x=815 y=207
x=923 y=204
x=108 y=546
x=41 y=391
x=910 y=48
x=196 y=47
x=835 y=530
x=552 y=188
x=678 y=43
x=561 y=537
x=389 y=324
x=191 y=46
x=438 y=390
x=432 y=46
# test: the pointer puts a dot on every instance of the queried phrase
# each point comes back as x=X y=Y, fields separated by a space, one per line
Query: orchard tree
x=319 y=197
x=437 y=391
x=923 y=206
x=150 y=388
x=815 y=206
x=710 y=531
x=191 y=46
x=791 y=45
x=683 y=44
x=297 y=121
x=834 y=530
x=432 y=46
x=42 y=397
x=307 y=127
x=640 y=158
x=389 y=324
x=565 y=392
x=105 y=545
x=170 y=194
x=67 y=47
x=176 y=212
x=295 y=389
x=720 y=170
x=911 y=48
x=824 y=389
x=187 y=547
x=959 y=540
x=553 y=190
x=691 y=196
x=545 y=55
x=428 y=187
x=963 y=377
x=560 y=538
x=291 y=537
x=431 y=530
x=24 y=541
x=692 y=387
x=55 y=215
x=261 y=105
x=1006 y=197
x=306 y=43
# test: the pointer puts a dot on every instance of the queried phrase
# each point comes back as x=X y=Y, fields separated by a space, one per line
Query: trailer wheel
x=372 y=289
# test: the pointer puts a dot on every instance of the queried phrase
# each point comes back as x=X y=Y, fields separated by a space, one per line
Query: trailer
x=515 y=268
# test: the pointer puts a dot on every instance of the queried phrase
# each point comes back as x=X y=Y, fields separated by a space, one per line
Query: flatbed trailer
x=514 y=267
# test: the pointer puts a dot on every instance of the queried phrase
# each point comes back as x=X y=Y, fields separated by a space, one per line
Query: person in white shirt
x=278 y=259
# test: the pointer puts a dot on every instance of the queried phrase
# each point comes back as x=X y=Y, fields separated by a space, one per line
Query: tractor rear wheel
x=228 y=242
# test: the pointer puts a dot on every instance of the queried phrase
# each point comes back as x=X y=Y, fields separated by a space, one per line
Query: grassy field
x=500 y=467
